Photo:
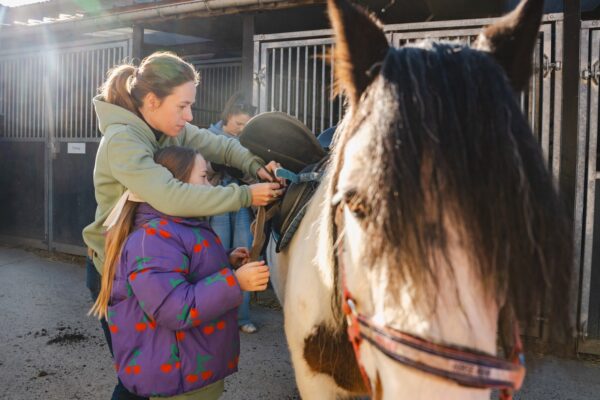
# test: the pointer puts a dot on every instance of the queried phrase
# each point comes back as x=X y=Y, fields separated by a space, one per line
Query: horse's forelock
x=449 y=143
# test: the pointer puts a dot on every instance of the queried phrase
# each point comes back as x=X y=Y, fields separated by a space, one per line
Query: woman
x=140 y=110
x=234 y=227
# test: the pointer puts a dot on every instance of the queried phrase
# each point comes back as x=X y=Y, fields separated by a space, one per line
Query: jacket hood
x=110 y=114
x=217 y=129
x=145 y=213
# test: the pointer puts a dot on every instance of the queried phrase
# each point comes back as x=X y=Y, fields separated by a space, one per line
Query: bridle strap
x=354 y=330
x=463 y=366
x=466 y=367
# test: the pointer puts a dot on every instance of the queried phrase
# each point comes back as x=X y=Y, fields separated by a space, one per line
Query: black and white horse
x=436 y=225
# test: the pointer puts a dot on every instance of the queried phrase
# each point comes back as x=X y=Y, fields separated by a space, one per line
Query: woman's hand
x=265 y=193
x=253 y=277
x=267 y=173
x=239 y=257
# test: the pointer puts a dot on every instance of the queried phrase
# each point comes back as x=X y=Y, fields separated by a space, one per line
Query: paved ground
x=50 y=350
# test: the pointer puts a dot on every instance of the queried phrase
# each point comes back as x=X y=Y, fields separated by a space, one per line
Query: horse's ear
x=360 y=45
x=511 y=41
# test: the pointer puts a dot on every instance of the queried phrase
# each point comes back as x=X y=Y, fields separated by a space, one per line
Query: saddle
x=280 y=137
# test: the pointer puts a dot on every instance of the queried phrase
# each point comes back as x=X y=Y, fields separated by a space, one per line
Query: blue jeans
x=93 y=282
x=234 y=230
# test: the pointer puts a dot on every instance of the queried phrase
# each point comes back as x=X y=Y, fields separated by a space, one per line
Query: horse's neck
x=303 y=275
x=464 y=315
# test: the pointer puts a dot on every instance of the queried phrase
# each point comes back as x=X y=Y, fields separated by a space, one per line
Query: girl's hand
x=239 y=257
x=267 y=173
x=264 y=193
x=253 y=277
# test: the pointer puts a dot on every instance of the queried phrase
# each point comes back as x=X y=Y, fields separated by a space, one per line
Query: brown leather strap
x=258 y=229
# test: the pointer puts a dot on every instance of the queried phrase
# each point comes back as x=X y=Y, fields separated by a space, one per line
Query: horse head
x=447 y=220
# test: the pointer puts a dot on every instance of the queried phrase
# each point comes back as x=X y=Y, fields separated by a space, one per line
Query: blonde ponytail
x=117 y=88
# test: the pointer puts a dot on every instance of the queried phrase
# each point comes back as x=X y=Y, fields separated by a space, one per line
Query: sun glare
x=16 y=3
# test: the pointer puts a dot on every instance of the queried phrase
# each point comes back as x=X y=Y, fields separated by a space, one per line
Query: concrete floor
x=50 y=350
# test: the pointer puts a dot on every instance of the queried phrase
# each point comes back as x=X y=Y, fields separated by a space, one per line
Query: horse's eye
x=356 y=204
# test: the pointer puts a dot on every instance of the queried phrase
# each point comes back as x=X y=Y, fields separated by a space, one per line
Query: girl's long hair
x=179 y=161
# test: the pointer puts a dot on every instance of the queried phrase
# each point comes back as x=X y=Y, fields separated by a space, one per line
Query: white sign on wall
x=76 y=148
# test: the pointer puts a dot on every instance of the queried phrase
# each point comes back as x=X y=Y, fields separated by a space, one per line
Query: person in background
x=234 y=227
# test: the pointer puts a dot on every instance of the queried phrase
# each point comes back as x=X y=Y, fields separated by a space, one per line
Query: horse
x=436 y=228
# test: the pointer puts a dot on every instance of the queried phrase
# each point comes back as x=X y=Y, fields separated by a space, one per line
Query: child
x=170 y=296
x=234 y=227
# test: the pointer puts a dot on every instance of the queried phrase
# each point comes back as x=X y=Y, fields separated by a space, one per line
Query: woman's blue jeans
x=234 y=230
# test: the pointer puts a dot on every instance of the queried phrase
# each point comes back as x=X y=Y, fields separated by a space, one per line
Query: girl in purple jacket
x=170 y=294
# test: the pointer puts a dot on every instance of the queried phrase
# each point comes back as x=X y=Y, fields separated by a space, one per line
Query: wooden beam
x=569 y=141
x=247 y=55
x=219 y=50
x=137 y=45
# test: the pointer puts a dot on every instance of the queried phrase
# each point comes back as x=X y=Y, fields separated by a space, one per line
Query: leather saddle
x=280 y=137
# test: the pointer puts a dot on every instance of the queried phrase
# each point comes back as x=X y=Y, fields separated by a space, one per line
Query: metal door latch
x=260 y=77
x=54 y=148
x=549 y=67
x=592 y=73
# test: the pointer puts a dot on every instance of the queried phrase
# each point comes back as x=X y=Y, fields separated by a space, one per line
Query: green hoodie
x=125 y=160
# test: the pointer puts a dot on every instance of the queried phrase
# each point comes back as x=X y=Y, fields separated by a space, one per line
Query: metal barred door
x=24 y=124
x=48 y=140
x=291 y=75
x=587 y=197
x=219 y=79
x=294 y=76
x=74 y=140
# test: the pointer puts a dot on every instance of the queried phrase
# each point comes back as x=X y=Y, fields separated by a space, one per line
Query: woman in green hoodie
x=140 y=110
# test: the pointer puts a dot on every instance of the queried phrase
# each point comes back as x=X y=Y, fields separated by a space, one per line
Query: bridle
x=466 y=367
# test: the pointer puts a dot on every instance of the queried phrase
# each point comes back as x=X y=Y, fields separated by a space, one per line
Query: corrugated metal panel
x=22 y=99
x=50 y=93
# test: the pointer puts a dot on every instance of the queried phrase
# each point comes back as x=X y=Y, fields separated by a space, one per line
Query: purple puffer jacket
x=173 y=313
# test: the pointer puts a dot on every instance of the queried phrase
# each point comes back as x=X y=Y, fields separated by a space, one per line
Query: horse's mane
x=449 y=146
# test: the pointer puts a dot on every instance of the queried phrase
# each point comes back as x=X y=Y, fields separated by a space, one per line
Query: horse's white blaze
x=464 y=314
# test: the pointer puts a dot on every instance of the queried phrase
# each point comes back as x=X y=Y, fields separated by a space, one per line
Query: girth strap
x=258 y=229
